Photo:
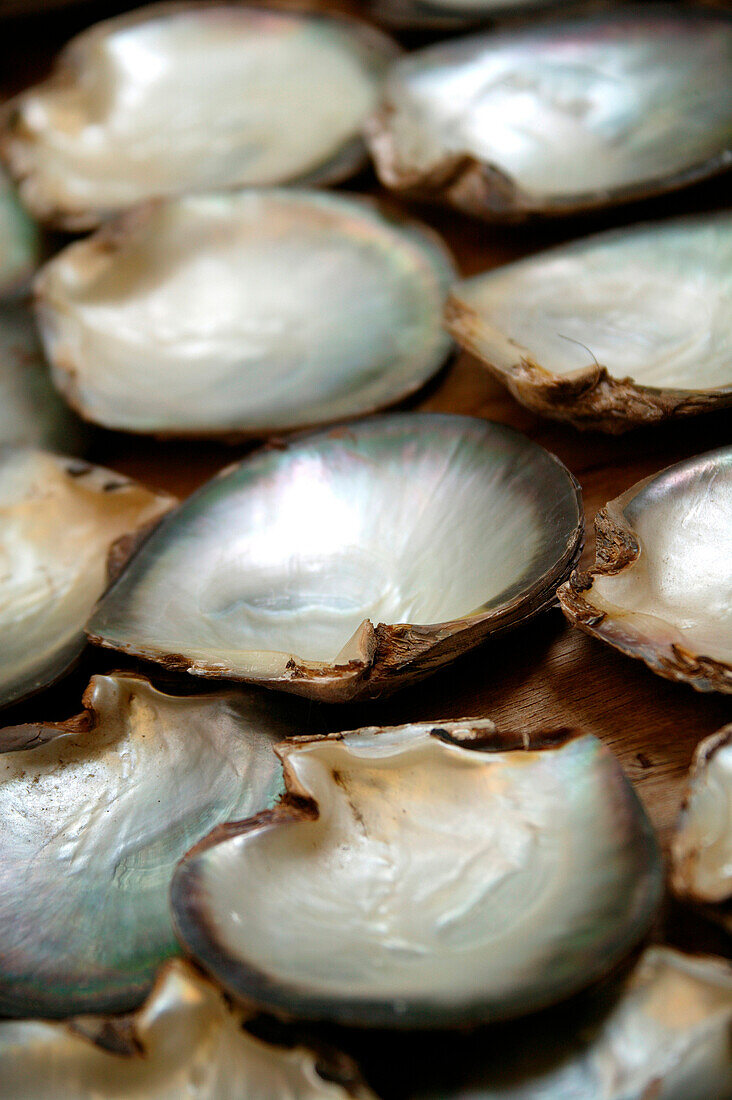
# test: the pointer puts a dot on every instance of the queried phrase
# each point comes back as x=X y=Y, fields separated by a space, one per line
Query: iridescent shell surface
x=664 y=1034
x=661 y=589
x=61 y=518
x=186 y=1041
x=31 y=411
x=351 y=561
x=448 y=14
x=561 y=116
x=621 y=329
x=94 y=815
x=429 y=875
x=245 y=313
x=19 y=243
x=191 y=97
x=702 y=846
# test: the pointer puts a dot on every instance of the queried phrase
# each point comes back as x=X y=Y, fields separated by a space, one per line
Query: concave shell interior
x=558 y=117
x=183 y=97
x=427 y=875
x=620 y=329
x=661 y=589
x=245 y=313
x=311 y=568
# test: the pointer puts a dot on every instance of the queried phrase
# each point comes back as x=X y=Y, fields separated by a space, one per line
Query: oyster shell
x=666 y=1036
x=61 y=518
x=94 y=814
x=560 y=116
x=288 y=568
x=313 y=307
x=31 y=412
x=192 y=97
x=661 y=589
x=424 y=875
x=446 y=14
x=19 y=242
x=186 y=1040
x=616 y=330
x=702 y=846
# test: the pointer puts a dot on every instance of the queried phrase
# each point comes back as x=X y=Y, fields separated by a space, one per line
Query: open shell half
x=245 y=313
x=61 y=519
x=183 y=97
x=424 y=875
x=31 y=412
x=186 y=1041
x=621 y=329
x=449 y=14
x=560 y=116
x=661 y=589
x=702 y=846
x=664 y=1035
x=19 y=242
x=305 y=567
x=95 y=813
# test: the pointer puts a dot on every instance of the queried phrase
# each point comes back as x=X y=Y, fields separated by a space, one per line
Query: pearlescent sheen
x=281 y=569
x=188 y=97
x=244 y=313
x=60 y=519
x=185 y=1041
x=94 y=815
x=561 y=115
x=425 y=875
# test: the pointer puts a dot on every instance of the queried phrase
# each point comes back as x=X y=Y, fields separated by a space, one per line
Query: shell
x=661 y=589
x=185 y=1041
x=449 y=14
x=61 y=519
x=664 y=1035
x=560 y=116
x=19 y=241
x=31 y=412
x=94 y=814
x=186 y=97
x=313 y=308
x=701 y=852
x=429 y=875
x=625 y=328
x=305 y=567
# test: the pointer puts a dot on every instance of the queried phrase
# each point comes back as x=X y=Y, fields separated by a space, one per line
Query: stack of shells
x=191 y=883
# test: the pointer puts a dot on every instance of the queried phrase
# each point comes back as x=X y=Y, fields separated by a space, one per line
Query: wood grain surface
x=545 y=674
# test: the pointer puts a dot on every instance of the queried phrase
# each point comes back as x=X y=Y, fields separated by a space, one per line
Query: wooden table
x=545 y=674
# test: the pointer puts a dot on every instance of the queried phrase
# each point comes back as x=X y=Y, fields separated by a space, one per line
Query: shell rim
x=589 y=397
x=620 y=551
x=198 y=938
x=343 y=163
x=381 y=658
x=484 y=189
x=115 y=232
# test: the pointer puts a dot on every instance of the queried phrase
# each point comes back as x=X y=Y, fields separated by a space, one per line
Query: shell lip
x=377 y=659
x=64 y=658
x=255 y=987
x=411 y=15
x=341 y=165
x=32 y=735
x=715 y=903
x=617 y=550
x=590 y=397
x=111 y=235
x=126 y=1036
x=127 y=727
x=486 y=190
